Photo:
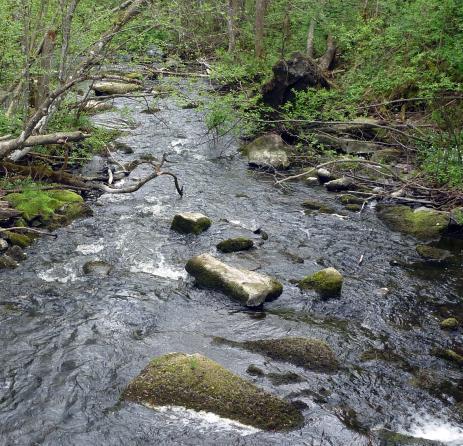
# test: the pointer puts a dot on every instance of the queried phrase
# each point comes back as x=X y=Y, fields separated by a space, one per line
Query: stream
x=70 y=343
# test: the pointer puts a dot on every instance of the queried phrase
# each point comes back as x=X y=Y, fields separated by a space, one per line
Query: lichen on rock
x=198 y=383
x=422 y=223
x=235 y=244
x=327 y=282
x=267 y=151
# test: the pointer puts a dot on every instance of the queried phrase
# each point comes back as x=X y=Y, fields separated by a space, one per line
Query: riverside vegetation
x=358 y=100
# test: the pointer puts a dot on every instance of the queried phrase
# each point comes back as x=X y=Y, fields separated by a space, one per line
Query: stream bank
x=71 y=343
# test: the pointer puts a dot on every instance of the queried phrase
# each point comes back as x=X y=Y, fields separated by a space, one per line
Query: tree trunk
x=326 y=61
x=261 y=6
x=46 y=62
x=231 y=24
x=310 y=38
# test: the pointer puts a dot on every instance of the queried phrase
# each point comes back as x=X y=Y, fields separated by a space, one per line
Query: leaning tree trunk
x=310 y=39
x=327 y=60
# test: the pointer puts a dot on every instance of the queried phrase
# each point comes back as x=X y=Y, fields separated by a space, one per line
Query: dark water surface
x=70 y=343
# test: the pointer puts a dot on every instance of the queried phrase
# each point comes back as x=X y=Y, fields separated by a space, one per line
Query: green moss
x=421 y=223
x=327 y=282
x=431 y=253
x=450 y=323
x=389 y=438
x=235 y=244
x=184 y=224
x=44 y=205
x=196 y=382
x=386 y=356
x=7 y=262
x=282 y=379
x=353 y=207
x=254 y=370
x=457 y=215
x=350 y=199
x=314 y=205
x=449 y=355
x=311 y=354
x=21 y=240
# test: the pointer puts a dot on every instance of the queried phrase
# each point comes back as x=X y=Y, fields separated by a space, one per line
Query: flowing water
x=70 y=343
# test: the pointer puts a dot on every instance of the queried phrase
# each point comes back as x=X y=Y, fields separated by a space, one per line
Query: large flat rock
x=249 y=287
x=198 y=383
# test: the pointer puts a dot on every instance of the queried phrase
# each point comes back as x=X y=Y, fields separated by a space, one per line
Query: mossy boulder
x=6 y=262
x=235 y=245
x=16 y=253
x=54 y=206
x=314 y=205
x=432 y=254
x=249 y=287
x=198 y=383
x=327 y=282
x=351 y=199
x=191 y=223
x=449 y=355
x=267 y=151
x=311 y=354
x=17 y=239
x=457 y=216
x=353 y=207
x=422 y=223
x=389 y=438
x=450 y=323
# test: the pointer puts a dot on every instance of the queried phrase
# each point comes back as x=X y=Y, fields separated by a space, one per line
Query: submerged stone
x=6 y=262
x=97 y=268
x=235 y=245
x=353 y=207
x=312 y=181
x=433 y=254
x=311 y=354
x=16 y=253
x=351 y=199
x=327 y=282
x=339 y=185
x=191 y=223
x=249 y=287
x=198 y=383
x=450 y=323
x=267 y=151
x=449 y=355
x=389 y=438
x=314 y=205
x=282 y=379
x=422 y=223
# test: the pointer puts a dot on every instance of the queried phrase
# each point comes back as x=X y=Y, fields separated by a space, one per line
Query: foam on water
x=93 y=248
x=202 y=420
x=160 y=269
x=430 y=428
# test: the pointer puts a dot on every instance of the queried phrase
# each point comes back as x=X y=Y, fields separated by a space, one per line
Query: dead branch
x=21 y=228
x=175 y=73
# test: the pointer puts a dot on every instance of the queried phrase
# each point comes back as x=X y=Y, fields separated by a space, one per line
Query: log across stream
x=70 y=343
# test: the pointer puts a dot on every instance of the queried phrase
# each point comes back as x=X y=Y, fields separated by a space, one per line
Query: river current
x=70 y=343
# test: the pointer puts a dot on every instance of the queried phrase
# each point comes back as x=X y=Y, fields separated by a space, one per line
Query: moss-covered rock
x=191 y=223
x=249 y=287
x=196 y=382
x=457 y=216
x=353 y=207
x=430 y=253
x=282 y=379
x=267 y=151
x=16 y=253
x=6 y=262
x=327 y=282
x=17 y=239
x=311 y=354
x=235 y=244
x=389 y=438
x=324 y=175
x=312 y=181
x=314 y=205
x=450 y=323
x=351 y=199
x=54 y=206
x=422 y=223
x=449 y=355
